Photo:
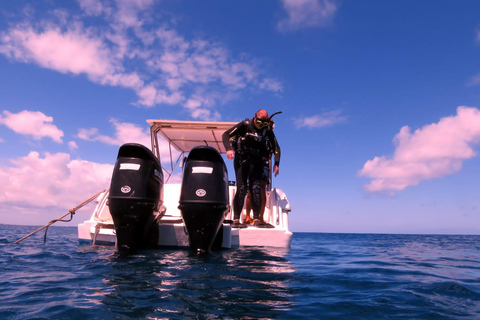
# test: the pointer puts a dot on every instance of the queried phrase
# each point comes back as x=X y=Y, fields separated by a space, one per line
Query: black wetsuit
x=252 y=147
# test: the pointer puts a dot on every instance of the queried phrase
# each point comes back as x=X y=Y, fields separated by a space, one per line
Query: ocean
x=322 y=276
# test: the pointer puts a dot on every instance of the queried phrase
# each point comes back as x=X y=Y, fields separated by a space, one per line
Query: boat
x=149 y=206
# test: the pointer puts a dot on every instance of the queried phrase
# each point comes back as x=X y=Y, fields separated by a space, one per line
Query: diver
x=266 y=178
x=255 y=142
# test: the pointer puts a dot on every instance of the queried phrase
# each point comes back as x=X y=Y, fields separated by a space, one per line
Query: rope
x=70 y=212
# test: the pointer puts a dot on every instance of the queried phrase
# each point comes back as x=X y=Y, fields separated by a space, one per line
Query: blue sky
x=380 y=127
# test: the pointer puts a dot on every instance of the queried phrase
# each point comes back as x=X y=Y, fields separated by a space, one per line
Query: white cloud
x=35 y=124
x=70 y=51
x=124 y=133
x=271 y=84
x=307 y=14
x=131 y=50
x=52 y=181
x=320 y=120
x=74 y=51
x=129 y=10
x=198 y=106
x=72 y=145
x=434 y=151
x=477 y=35
x=92 y=7
x=473 y=81
x=132 y=133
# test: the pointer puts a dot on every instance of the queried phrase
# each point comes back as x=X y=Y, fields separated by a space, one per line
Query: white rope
x=70 y=212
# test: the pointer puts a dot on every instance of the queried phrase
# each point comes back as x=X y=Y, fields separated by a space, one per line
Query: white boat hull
x=99 y=229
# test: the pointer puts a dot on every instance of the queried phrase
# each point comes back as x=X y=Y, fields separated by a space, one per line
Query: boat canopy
x=185 y=135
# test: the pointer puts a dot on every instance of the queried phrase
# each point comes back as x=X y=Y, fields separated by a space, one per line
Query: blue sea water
x=322 y=276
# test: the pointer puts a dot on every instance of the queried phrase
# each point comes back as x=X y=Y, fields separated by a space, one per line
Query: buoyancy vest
x=254 y=142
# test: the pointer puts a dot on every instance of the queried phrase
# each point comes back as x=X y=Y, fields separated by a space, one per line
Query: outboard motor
x=135 y=194
x=204 y=196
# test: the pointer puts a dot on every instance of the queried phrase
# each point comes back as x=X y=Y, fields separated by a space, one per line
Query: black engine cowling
x=135 y=194
x=204 y=196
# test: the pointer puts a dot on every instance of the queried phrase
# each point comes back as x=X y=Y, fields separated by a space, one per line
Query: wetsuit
x=253 y=145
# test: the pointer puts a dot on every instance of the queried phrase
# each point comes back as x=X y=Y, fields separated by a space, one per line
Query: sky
x=380 y=101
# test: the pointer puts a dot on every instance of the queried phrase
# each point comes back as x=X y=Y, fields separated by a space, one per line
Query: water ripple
x=323 y=276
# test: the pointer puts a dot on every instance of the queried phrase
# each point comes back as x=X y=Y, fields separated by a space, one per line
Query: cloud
x=477 y=35
x=45 y=184
x=304 y=14
x=52 y=181
x=271 y=84
x=74 y=51
x=321 y=120
x=473 y=81
x=71 y=51
x=129 y=10
x=124 y=133
x=433 y=151
x=196 y=107
x=35 y=124
x=72 y=145
x=92 y=7
x=131 y=48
